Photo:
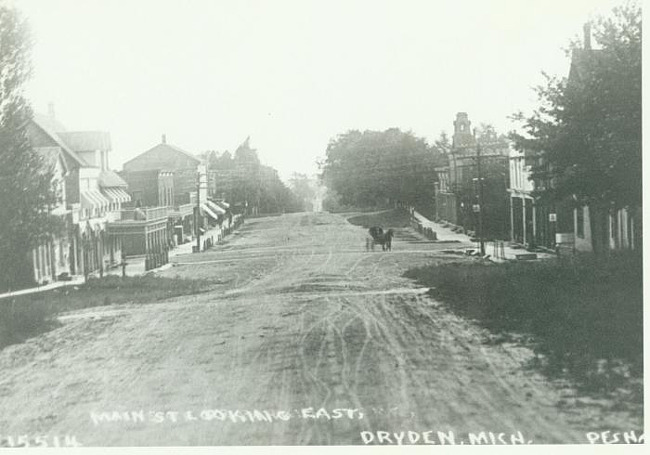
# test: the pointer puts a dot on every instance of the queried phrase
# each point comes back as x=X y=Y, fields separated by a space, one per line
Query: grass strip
x=583 y=315
x=25 y=316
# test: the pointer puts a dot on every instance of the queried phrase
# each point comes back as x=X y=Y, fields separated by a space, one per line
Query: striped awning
x=215 y=208
x=93 y=199
x=209 y=212
x=117 y=194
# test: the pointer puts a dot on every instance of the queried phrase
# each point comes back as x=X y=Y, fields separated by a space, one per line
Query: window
x=137 y=197
x=37 y=260
x=580 y=221
x=47 y=261
x=61 y=254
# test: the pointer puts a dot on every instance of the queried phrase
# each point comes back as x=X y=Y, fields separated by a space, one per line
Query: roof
x=160 y=149
x=45 y=125
x=83 y=141
x=221 y=203
x=51 y=123
x=111 y=179
x=180 y=150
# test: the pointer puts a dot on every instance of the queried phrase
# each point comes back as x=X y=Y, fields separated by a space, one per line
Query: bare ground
x=300 y=316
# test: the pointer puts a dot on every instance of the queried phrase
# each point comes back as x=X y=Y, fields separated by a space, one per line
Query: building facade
x=168 y=176
x=170 y=158
x=92 y=197
x=50 y=259
x=534 y=223
x=476 y=171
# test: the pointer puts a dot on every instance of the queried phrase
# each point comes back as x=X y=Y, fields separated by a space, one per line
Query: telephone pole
x=198 y=212
x=480 y=197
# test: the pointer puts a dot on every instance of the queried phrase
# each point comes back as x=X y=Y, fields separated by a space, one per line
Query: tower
x=462 y=131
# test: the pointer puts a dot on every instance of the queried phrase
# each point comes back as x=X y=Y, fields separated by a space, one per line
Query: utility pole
x=480 y=199
x=480 y=196
x=198 y=212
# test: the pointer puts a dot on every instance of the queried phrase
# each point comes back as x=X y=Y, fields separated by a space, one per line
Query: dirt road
x=305 y=338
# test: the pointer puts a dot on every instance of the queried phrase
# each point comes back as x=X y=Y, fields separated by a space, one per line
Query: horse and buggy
x=379 y=237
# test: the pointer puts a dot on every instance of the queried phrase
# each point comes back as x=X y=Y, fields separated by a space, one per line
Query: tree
x=242 y=179
x=304 y=190
x=587 y=129
x=442 y=145
x=28 y=190
x=379 y=167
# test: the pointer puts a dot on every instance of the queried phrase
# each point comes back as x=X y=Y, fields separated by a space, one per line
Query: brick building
x=458 y=190
x=170 y=158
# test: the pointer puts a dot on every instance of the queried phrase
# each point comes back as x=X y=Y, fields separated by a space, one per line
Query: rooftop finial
x=164 y=139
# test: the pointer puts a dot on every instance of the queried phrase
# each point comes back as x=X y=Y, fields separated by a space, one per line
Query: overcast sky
x=291 y=74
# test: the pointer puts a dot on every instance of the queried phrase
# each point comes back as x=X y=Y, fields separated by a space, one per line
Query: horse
x=385 y=239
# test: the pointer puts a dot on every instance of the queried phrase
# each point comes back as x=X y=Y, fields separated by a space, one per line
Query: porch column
x=512 y=218
x=523 y=217
x=534 y=221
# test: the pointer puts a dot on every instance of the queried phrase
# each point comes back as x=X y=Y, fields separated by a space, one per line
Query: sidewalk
x=75 y=281
x=508 y=253
x=134 y=267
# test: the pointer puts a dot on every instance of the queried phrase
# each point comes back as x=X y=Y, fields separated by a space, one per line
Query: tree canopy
x=304 y=189
x=587 y=128
x=28 y=190
x=376 y=167
x=242 y=179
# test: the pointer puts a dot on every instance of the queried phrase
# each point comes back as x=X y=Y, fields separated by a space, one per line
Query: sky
x=291 y=74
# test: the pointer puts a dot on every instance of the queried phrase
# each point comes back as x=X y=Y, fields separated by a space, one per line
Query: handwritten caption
x=442 y=438
x=224 y=415
x=613 y=437
x=26 y=440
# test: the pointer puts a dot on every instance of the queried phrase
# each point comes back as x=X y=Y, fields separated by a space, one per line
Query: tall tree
x=588 y=126
x=375 y=167
x=28 y=190
x=304 y=188
x=242 y=179
x=442 y=145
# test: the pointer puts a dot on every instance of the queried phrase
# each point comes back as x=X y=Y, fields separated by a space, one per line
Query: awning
x=110 y=194
x=210 y=213
x=223 y=204
x=93 y=199
x=215 y=208
x=126 y=197
x=117 y=194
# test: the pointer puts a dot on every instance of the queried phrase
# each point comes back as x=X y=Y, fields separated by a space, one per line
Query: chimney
x=164 y=139
x=587 y=33
x=50 y=109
